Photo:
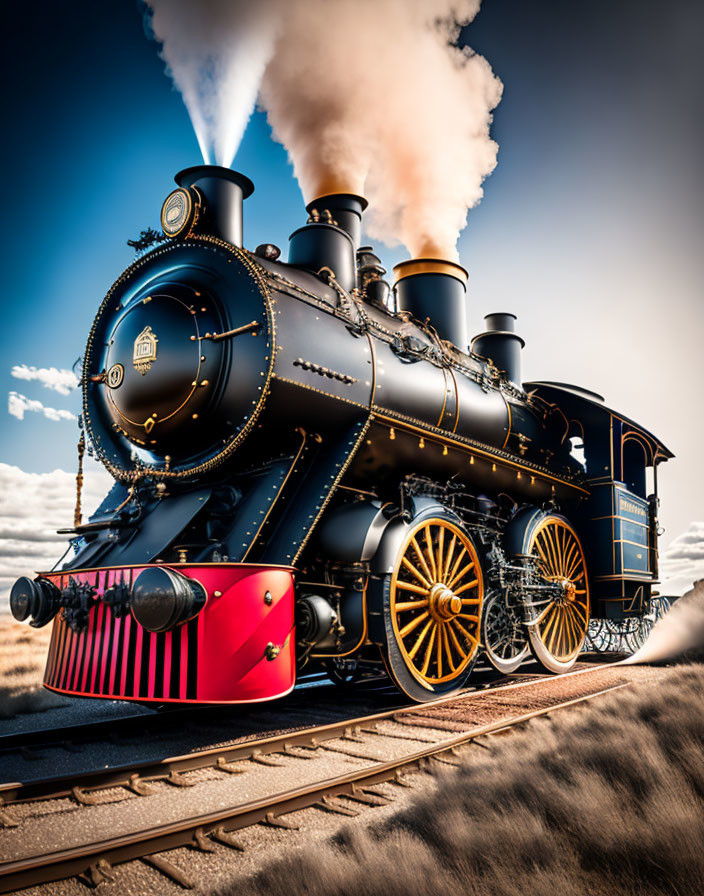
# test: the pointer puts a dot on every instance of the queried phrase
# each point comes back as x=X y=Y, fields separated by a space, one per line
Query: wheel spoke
x=413 y=624
x=409 y=586
x=421 y=637
x=566 y=545
x=575 y=635
x=549 y=623
x=438 y=650
x=428 y=651
x=566 y=639
x=569 y=557
x=415 y=572
x=580 y=622
x=429 y=551
x=555 y=536
x=554 y=566
x=467 y=616
x=556 y=636
x=559 y=551
x=580 y=612
x=448 y=649
x=576 y=563
x=419 y=554
x=546 y=562
x=401 y=606
x=542 y=546
x=455 y=567
x=448 y=557
x=439 y=565
x=556 y=629
x=466 y=587
x=458 y=578
x=455 y=621
x=564 y=644
x=458 y=647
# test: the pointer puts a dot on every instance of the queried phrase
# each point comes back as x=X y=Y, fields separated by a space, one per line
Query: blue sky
x=590 y=229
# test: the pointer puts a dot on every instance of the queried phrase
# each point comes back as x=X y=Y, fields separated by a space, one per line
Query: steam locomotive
x=315 y=470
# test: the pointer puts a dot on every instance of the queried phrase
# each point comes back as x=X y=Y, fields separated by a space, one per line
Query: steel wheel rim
x=563 y=624
x=436 y=598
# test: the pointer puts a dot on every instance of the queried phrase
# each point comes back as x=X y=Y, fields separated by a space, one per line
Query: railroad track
x=31 y=745
x=383 y=747
x=288 y=715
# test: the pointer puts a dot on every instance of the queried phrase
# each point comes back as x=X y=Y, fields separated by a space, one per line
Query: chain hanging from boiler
x=81 y=447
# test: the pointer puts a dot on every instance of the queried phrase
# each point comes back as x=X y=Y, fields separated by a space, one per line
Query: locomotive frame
x=312 y=470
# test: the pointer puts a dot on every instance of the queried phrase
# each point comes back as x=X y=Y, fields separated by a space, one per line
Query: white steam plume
x=216 y=52
x=679 y=635
x=374 y=98
x=367 y=97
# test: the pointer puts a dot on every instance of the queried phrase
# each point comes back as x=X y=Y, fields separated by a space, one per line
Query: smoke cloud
x=371 y=98
x=679 y=635
x=376 y=99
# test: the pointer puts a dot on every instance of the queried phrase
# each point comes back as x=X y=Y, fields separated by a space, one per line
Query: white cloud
x=32 y=507
x=682 y=562
x=61 y=381
x=18 y=405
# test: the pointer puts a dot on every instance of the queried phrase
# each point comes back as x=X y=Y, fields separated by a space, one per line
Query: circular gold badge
x=177 y=213
x=115 y=375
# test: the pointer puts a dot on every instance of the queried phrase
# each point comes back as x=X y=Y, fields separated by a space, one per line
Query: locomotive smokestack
x=345 y=209
x=209 y=200
x=433 y=289
x=331 y=237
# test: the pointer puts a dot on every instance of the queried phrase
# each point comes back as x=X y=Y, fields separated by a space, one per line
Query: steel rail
x=85 y=731
x=133 y=775
x=90 y=730
x=36 y=870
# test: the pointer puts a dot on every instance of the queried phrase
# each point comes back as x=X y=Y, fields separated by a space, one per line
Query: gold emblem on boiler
x=144 y=353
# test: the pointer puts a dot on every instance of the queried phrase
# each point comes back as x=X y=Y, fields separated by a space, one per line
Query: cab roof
x=589 y=406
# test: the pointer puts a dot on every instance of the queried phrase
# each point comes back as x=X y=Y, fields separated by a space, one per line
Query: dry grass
x=608 y=800
x=23 y=653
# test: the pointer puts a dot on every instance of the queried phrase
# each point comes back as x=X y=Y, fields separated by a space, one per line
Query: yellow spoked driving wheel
x=557 y=635
x=434 y=604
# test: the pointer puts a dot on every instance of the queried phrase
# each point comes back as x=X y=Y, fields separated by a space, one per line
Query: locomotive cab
x=618 y=521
